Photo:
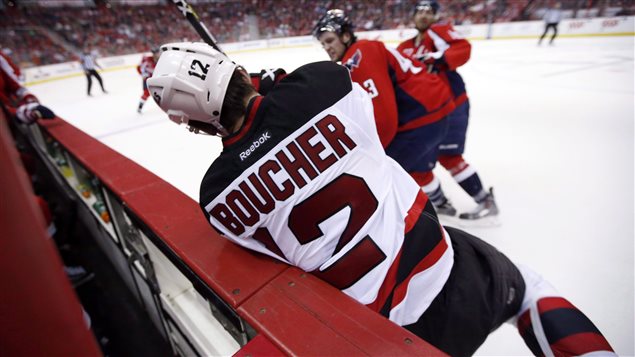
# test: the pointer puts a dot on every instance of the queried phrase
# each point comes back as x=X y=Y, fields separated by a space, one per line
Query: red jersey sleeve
x=368 y=63
x=9 y=88
x=457 y=49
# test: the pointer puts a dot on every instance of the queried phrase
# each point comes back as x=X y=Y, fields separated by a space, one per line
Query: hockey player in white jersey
x=303 y=178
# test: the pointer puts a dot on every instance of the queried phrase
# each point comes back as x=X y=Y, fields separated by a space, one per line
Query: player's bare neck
x=239 y=122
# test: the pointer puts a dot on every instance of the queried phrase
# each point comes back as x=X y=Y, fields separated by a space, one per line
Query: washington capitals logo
x=354 y=61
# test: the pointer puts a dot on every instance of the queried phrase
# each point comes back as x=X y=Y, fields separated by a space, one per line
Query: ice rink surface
x=551 y=129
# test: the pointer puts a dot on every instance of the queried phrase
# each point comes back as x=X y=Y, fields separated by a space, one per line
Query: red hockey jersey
x=404 y=95
x=146 y=67
x=9 y=67
x=12 y=94
x=446 y=50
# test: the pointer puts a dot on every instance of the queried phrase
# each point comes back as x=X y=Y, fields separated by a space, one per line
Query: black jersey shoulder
x=266 y=79
x=290 y=104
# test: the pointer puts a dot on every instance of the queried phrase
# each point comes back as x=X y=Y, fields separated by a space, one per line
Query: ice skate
x=487 y=208
x=446 y=208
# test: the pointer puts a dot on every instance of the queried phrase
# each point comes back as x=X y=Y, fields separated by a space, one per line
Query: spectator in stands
x=123 y=29
x=89 y=63
x=552 y=19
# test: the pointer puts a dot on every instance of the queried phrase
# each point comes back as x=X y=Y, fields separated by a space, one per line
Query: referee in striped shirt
x=88 y=64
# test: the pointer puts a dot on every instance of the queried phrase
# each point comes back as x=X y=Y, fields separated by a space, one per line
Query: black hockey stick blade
x=191 y=16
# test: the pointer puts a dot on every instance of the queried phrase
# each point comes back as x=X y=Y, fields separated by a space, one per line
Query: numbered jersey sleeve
x=368 y=61
x=306 y=181
x=404 y=95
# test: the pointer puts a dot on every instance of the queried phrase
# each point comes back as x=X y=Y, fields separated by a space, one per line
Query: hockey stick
x=191 y=16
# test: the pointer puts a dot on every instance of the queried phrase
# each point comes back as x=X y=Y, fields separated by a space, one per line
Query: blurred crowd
x=36 y=35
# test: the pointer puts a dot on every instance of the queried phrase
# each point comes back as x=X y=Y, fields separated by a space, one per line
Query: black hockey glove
x=29 y=113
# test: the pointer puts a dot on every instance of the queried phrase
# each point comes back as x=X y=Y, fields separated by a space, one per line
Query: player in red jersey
x=145 y=69
x=303 y=178
x=443 y=50
x=410 y=105
x=9 y=66
x=18 y=101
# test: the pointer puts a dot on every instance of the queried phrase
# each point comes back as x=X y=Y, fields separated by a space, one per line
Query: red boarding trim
x=184 y=232
x=425 y=263
x=579 y=344
x=40 y=311
x=251 y=113
x=259 y=346
x=552 y=303
x=318 y=325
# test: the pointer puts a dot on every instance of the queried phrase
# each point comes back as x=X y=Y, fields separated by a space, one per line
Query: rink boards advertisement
x=609 y=26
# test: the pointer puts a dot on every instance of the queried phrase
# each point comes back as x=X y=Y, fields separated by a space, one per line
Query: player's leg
x=101 y=83
x=144 y=96
x=431 y=185
x=90 y=82
x=555 y=33
x=484 y=290
x=552 y=326
x=416 y=151
x=451 y=158
x=544 y=33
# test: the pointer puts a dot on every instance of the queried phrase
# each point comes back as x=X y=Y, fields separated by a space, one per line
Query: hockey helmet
x=431 y=5
x=190 y=81
x=334 y=20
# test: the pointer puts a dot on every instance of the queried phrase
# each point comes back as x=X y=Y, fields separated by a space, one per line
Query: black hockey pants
x=484 y=290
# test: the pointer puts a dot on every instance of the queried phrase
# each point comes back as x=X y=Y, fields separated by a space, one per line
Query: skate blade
x=485 y=222
x=452 y=221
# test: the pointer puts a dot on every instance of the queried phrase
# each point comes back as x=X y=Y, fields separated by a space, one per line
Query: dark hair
x=234 y=106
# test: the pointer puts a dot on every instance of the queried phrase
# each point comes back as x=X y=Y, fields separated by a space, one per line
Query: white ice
x=551 y=130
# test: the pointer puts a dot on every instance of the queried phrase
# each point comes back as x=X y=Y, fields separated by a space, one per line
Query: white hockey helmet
x=190 y=81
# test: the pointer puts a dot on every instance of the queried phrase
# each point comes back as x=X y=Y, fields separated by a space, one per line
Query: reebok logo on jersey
x=255 y=145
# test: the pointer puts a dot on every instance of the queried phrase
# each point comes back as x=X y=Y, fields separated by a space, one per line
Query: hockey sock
x=551 y=325
x=465 y=175
x=434 y=191
x=555 y=327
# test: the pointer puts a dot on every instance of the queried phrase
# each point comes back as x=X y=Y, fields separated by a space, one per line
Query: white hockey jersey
x=306 y=181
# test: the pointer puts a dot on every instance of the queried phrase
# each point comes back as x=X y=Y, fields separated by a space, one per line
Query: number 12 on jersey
x=345 y=191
